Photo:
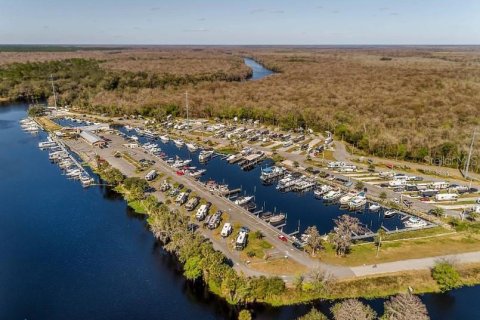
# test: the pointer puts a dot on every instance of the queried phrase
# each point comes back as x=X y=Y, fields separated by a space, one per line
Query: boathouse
x=92 y=139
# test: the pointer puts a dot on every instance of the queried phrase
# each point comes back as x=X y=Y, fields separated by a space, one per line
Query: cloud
x=155 y=9
x=319 y=7
x=195 y=30
x=201 y=19
x=394 y=14
x=335 y=11
x=384 y=9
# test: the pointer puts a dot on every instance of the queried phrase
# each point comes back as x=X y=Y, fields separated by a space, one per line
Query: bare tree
x=314 y=239
x=320 y=279
x=345 y=227
x=405 y=307
x=352 y=309
x=314 y=314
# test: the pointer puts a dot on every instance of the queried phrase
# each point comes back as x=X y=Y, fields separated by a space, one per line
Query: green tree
x=381 y=234
x=244 y=315
x=314 y=240
x=383 y=195
x=445 y=274
x=192 y=269
x=313 y=314
x=438 y=212
x=359 y=185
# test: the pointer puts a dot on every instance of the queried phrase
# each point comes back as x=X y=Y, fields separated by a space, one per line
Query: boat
x=374 y=206
x=332 y=195
x=191 y=147
x=277 y=219
x=179 y=142
x=134 y=138
x=164 y=138
x=415 y=222
x=243 y=200
x=390 y=213
x=271 y=173
x=347 y=198
x=319 y=192
x=357 y=202
x=205 y=155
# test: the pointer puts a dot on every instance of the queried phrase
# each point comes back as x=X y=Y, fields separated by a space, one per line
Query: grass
x=404 y=249
x=138 y=206
x=48 y=124
x=327 y=155
x=227 y=150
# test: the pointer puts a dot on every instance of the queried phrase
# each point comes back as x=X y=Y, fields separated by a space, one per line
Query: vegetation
x=313 y=314
x=36 y=111
x=244 y=315
x=405 y=307
x=314 y=240
x=341 y=237
x=446 y=276
x=352 y=309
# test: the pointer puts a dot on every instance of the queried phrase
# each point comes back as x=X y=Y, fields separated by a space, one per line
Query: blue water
x=301 y=208
x=73 y=253
x=258 y=70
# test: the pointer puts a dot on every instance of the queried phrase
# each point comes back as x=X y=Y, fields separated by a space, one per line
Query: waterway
x=258 y=71
x=72 y=253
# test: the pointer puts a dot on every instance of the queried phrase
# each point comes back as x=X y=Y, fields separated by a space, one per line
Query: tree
x=192 y=269
x=438 y=212
x=244 y=315
x=298 y=282
x=314 y=314
x=314 y=240
x=445 y=274
x=359 y=185
x=343 y=231
x=320 y=280
x=383 y=195
x=405 y=307
x=352 y=309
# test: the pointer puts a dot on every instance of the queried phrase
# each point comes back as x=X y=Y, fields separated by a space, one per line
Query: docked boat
x=243 y=200
x=277 y=219
x=179 y=142
x=357 y=202
x=390 y=213
x=164 y=138
x=191 y=147
x=319 y=192
x=415 y=222
x=205 y=155
x=270 y=173
x=344 y=200
x=332 y=195
x=374 y=206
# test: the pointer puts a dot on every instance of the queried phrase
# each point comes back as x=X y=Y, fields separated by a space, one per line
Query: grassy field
x=48 y=124
x=138 y=207
x=404 y=249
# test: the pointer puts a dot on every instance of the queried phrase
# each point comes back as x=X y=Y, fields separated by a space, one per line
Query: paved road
x=245 y=218
x=414 y=264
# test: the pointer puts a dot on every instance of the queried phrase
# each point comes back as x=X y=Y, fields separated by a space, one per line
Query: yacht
x=332 y=195
x=243 y=200
x=205 y=155
x=277 y=219
x=347 y=198
x=179 y=142
x=357 y=202
x=164 y=138
x=415 y=222
x=191 y=147
x=390 y=213
x=374 y=207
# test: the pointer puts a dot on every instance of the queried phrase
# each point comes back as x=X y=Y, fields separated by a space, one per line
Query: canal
x=258 y=71
x=69 y=252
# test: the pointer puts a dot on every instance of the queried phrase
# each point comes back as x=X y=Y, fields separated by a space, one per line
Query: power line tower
x=186 y=106
x=54 y=93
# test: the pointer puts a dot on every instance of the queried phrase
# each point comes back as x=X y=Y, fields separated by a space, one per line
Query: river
x=258 y=71
x=69 y=252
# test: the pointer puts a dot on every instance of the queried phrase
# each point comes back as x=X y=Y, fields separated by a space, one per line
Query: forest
x=412 y=103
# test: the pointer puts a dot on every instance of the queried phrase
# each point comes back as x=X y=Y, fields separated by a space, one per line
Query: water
x=301 y=208
x=259 y=71
x=74 y=253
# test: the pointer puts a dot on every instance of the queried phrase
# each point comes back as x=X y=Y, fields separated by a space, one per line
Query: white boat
x=164 y=138
x=243 y=200
x=191 y=147
x=179 y=142
x=357 y=202
x=205 y=155
x=319 y=192
x=347 y=198
x=277 y=219
x=332 y=195
x=128 y=128
x=390 y=213
x=374 y=207
x=134 y=138
x=415 y=222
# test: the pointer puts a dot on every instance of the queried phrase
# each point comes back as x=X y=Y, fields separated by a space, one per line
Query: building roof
x=91 y=137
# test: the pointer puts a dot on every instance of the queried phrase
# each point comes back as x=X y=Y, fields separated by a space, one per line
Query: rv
x=446 y=197
x=226 y=230
x=151 y=175
x=202 y=212
x=241 y=241
x=439 y=185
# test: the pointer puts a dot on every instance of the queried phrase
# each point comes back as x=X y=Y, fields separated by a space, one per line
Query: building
x=92 y=139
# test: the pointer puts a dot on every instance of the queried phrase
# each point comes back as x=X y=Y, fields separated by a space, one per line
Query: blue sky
x=240 y=22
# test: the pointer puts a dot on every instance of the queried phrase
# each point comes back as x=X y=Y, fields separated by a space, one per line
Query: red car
x=180 y=173
x=283 y=238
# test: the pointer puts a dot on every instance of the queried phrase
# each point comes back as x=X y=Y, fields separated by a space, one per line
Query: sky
x=240 y=22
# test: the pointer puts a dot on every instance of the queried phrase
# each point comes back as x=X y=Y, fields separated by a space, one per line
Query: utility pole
x=186 y=105
x=54 y=93
x=467 y=167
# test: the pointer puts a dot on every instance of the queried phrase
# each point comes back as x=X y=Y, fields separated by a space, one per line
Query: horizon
x=268 y=22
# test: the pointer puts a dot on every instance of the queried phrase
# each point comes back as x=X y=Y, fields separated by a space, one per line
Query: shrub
x=446 y=276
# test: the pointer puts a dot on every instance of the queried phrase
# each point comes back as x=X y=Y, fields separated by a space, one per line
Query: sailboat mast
x=54 y=93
